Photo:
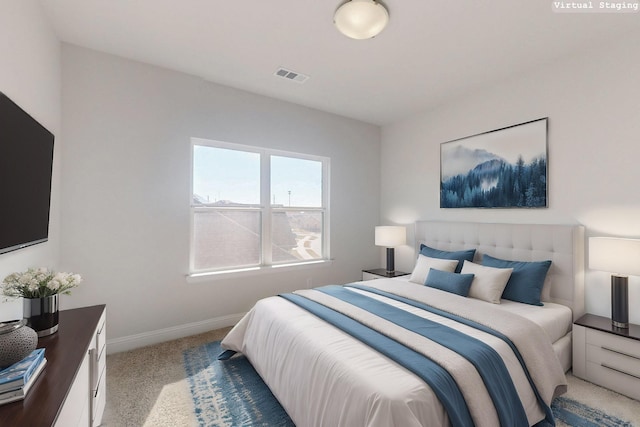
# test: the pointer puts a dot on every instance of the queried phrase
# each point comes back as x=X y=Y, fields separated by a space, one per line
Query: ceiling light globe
x=361 y=19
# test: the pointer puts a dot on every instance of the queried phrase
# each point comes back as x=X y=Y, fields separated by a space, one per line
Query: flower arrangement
x=39 y=283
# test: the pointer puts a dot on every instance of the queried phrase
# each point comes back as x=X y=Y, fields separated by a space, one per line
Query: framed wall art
x=502 y=168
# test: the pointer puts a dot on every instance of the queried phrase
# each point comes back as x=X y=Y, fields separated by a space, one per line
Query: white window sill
x=254 y=271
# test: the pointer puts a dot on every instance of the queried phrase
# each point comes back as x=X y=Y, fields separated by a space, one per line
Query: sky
x=224 y=174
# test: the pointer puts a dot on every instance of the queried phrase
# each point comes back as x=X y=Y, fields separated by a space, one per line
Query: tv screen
x=26 y=163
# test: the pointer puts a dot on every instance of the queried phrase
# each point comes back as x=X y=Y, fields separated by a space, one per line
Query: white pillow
x=488 y=282
x=424 y=263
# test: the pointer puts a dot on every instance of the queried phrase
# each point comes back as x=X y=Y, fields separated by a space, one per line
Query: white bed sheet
x=555 y=319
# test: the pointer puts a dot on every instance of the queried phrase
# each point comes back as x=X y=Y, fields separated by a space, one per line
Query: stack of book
x=17 y=379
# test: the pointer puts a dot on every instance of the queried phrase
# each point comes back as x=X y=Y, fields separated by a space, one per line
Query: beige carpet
x=147 y=387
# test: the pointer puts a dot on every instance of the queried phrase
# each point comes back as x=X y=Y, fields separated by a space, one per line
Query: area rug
x=231 y=393
x=575 y=414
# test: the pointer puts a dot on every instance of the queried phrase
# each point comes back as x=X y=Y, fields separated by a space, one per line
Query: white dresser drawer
x=99 y=398
x=369 y=276
x=75 y=411
x=101 y=333
x=98 y=372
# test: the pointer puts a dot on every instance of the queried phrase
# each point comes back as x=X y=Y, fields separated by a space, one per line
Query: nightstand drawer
x=614 y=360
x=614 y=343
x=614 y=380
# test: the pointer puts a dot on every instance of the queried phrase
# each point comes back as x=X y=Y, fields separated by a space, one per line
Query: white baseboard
x=144 y=339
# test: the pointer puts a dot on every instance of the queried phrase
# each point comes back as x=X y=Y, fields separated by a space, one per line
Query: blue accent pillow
x=526 y=281
x=461 y=256
x=450 y=282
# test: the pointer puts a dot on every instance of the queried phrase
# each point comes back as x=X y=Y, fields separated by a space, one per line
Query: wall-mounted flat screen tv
x=26 y=164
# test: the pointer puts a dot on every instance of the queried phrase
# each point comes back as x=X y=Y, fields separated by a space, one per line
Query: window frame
x=265 y=209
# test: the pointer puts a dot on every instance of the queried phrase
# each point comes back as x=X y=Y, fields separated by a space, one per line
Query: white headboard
x=562 y=244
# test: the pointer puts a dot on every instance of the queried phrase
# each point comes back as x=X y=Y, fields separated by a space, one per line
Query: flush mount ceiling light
x=361 y=19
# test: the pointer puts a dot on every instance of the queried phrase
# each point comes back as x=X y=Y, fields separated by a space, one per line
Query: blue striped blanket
x=454 y=358
x=488 y=363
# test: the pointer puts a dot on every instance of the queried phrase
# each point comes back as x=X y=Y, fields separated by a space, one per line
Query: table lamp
x=390 y=236
x=621 y=257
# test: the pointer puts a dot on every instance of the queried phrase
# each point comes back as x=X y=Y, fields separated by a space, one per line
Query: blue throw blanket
x=486 y=360
x=547 y=409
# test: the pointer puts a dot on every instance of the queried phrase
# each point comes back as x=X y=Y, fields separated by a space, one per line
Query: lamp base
x=620 y=301
x=620 y=325
x=391 y=268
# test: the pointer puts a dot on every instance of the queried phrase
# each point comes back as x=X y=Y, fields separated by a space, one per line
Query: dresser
x=70 y=391
x=607 y=356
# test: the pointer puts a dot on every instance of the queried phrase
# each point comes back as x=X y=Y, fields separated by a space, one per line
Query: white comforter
x=324 y=377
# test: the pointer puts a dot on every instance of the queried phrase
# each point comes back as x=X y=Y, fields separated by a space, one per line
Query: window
x=252 y=207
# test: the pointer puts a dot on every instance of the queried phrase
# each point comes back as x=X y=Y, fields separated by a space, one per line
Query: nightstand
x=606 y=355
x=380 y=273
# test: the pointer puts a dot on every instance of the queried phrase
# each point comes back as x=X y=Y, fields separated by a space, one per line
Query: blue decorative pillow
x=526 y=281
x=450 y=282
x=461 y=256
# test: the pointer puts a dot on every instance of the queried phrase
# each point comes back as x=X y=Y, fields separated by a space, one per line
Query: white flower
x=38 y=283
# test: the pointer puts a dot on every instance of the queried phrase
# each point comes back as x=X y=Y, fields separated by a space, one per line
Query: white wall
x=30 y=76
x=592 y=100
x=125 y=201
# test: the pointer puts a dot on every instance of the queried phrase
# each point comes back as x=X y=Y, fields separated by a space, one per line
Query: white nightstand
x=606 y=355
x=379 y=273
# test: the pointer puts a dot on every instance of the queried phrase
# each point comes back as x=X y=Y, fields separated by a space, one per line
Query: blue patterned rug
x=231 y=393
x=575 y=414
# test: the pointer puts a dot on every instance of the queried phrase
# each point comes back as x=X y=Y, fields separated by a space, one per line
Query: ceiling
x=431 y=51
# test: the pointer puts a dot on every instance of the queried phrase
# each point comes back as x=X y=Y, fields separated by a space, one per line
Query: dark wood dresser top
x=64 y=350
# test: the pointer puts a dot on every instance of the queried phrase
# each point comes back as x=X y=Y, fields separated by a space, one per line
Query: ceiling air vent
x=291 y=75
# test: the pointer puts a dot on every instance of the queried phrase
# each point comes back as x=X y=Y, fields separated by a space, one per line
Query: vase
x=17 y=341
x=42 y=314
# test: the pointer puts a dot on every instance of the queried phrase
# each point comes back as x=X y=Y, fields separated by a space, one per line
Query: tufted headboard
x=562 y=244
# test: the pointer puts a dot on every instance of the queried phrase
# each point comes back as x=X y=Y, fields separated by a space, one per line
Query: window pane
x=296 y=182
x=224 y=177
x=226 y=238
x=296 y=236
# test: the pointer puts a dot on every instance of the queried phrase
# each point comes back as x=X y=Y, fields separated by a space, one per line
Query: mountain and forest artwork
x=504 y=168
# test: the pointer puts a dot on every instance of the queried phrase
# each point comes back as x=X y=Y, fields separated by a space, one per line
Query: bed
x=303 y=344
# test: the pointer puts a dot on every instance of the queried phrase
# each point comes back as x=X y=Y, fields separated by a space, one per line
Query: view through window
x=256 y=207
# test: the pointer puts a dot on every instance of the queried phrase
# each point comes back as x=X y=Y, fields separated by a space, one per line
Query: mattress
x=325 y=377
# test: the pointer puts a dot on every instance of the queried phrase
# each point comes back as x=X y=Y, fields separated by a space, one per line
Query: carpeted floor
x=148 y=387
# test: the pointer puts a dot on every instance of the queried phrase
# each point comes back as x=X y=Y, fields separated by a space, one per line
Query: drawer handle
x=620 y=371
x=620 y=352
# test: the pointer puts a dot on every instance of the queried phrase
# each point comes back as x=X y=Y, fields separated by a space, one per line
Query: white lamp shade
x=361 y=19
x=615 y=255
x=391 y=236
